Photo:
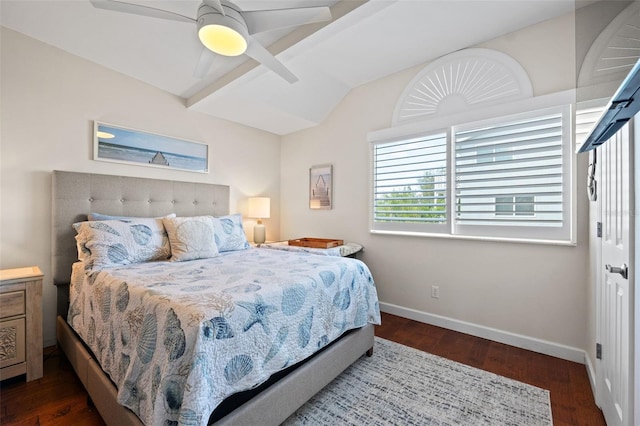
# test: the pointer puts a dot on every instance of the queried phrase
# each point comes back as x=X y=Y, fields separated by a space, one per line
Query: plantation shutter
x=508 y=177
x=512 y=173
x=586 y=119
x=410 y=183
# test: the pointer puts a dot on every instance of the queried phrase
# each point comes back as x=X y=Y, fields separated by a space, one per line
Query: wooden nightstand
x=21 y=323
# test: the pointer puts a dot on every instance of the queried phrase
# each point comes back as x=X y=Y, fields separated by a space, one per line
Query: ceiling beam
x=338 y=10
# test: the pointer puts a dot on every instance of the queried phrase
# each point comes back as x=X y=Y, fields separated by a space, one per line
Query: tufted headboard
x=75 y=195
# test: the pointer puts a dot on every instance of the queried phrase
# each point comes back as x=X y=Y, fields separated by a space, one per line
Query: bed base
x=269 y=407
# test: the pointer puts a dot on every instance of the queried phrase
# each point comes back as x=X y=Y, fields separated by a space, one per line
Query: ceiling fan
x=227 y=30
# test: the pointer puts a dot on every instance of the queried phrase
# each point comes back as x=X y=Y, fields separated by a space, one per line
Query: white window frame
x=405 y=227
x=524 y=232
x=500 y=113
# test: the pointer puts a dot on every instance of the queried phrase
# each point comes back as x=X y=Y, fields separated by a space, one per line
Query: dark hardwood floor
x=572 y=400
x=59 y=398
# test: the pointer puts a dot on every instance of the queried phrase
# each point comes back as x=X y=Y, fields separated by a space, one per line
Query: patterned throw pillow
x=230 y=233
x=191 y=237
x=121 y=242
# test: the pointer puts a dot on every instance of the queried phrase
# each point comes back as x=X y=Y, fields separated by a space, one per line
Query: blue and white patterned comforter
x=177 y=338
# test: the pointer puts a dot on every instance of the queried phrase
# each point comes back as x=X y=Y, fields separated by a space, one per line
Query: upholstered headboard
x=75 y=195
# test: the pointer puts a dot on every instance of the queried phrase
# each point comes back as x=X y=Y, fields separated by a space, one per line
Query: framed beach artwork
x=123 y=145
x=320 y=187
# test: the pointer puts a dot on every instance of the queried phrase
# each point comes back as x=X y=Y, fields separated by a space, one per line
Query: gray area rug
x=404 y=386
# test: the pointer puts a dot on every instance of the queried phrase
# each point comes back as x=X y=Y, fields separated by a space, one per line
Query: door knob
x=624 y=270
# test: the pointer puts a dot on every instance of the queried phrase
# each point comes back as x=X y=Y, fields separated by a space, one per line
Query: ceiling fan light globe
x=222 y=40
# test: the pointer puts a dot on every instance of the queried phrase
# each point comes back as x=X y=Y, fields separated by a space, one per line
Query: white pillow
x=121 y=242
x=191 y=237
x=230 y=233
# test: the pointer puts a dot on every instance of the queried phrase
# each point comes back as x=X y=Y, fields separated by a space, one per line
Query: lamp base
x=259 y=234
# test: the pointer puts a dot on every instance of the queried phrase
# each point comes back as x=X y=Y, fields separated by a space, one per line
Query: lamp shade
x=259 y=207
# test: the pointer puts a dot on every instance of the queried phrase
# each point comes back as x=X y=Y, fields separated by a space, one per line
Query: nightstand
x=256 y=245
x=345 y=250
x=21 y=323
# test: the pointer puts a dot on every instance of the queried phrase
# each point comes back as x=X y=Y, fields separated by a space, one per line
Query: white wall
x=538 y=291
x=49 y=100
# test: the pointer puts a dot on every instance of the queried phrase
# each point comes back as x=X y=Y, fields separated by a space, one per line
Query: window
x=522 y=176
x=410 y=183
x=515 y=206
x=500 y=178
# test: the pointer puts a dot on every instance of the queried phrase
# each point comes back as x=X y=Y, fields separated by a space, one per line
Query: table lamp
x=259 y=208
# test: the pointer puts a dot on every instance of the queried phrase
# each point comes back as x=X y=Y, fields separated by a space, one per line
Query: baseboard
x=591 y=373
x=524 y=342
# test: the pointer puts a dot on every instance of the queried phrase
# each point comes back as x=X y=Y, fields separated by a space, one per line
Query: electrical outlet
x=435 y=292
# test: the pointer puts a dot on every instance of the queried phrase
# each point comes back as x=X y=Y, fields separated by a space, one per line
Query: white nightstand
x=260 y=245
x=21 y=323
x=345 y=250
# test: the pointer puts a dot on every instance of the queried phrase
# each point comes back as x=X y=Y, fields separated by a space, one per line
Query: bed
x=158 y=338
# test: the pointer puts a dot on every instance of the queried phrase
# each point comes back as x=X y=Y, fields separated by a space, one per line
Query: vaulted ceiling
x=365 y=41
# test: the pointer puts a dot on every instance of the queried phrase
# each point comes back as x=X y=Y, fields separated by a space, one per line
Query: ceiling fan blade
x=258 y=52
x=136 y=9
x=264 y=20
x=215 y=4
x=207 y=58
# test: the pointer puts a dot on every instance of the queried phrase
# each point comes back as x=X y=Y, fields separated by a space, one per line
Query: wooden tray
x=323 y=243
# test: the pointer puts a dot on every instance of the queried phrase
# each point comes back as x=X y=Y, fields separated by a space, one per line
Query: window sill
x=476 y=238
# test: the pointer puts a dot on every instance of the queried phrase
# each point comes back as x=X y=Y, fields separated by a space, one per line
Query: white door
x=614 y=369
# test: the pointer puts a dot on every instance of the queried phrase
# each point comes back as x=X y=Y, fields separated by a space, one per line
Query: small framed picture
x=320 y=187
